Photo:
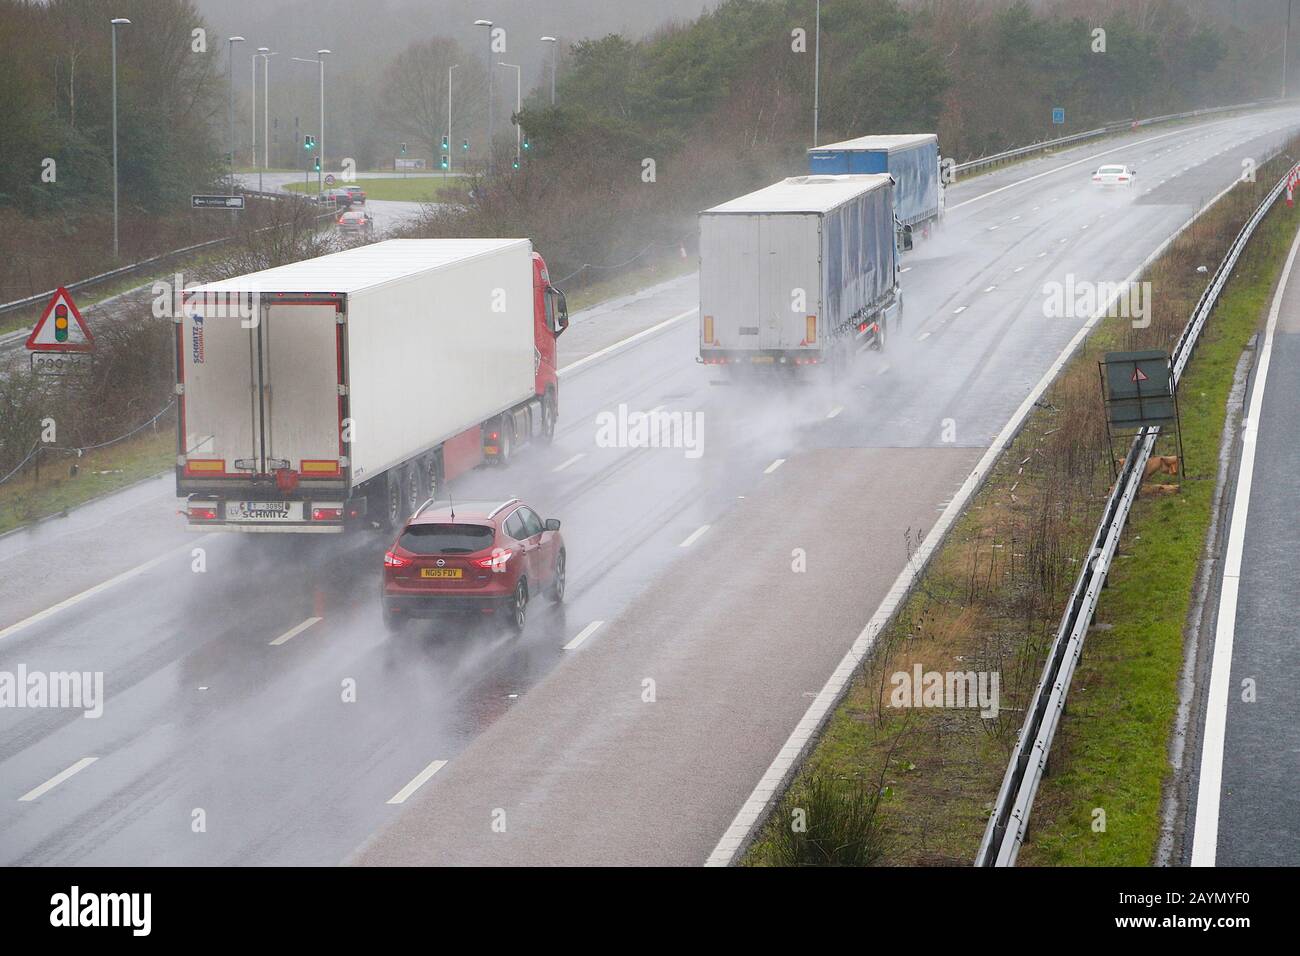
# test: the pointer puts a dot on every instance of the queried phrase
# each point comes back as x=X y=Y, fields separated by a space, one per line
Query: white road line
x=882 y=370
x=1015 y=218
x=907 y=269
x=57 y=779
x=990 y=288
x=783 y=764
x=1077 y=162
x=774 y=466
x=623 y=343
x=923 y=336
x=1205 y=840
x=835 y=411
x=418 y=782
x=694 y=536
x=585 y=633
x=1040 y=255
x=959 y=310
x=565 y=464
x=97 y=589
x=991 y=228
x=295 y=631
x=1018 y=269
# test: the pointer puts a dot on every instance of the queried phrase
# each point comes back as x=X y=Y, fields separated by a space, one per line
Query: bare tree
x=413 y=92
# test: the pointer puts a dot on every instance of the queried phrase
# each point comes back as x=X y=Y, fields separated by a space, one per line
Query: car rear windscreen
x=446 y=538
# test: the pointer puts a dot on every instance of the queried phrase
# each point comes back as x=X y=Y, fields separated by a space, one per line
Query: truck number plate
x=261 y=511
x=440 y=572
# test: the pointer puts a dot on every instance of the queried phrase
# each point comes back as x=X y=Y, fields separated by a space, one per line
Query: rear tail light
x=340 y=220
x=392 y=560
x=326 y=514
x=496 y=561
x=1096 y=179
x=203 y=513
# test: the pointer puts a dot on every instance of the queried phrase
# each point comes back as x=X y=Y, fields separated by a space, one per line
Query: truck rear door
x=217 y=360
x=300 y=378
x=790 y=280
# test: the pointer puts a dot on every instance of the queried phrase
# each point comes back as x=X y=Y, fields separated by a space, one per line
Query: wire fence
x=668 y=244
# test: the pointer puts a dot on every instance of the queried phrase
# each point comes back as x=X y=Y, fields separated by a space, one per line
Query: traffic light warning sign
x=61 y=328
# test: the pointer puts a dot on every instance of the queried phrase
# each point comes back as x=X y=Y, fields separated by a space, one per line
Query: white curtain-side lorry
x=345 y=390
x=801 y=273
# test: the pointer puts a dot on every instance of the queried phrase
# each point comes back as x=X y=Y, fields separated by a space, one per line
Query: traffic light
x=308 y=141
x=403 y=149
x=444 y=144
x=317 y=169
x=515 y=164
x=60 y=323
x=464 y=144
x=526 y=143
x=444 y=162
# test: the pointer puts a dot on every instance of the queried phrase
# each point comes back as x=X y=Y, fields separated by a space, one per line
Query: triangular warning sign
x=1138 y=375
x=61 y=327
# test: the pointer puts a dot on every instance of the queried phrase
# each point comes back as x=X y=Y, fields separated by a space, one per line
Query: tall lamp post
x=266 y=113
x=519 y=105
x=320 y=143
x=252 y=97
x=817 y=71
x=449 y=150
x=555 y=45
x=488 y=24
x=115 y=23
x=230 y=58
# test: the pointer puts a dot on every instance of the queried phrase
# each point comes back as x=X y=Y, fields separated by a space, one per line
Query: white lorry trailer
x=346 y=389
x=802 y=272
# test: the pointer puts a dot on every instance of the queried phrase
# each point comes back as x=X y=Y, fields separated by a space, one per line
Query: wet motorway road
x=684 y=561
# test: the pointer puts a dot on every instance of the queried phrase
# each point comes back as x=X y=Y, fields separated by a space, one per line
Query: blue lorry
x=912 y=159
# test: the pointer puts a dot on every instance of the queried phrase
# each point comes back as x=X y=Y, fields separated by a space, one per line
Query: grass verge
x=412 y=189
x=992 y=597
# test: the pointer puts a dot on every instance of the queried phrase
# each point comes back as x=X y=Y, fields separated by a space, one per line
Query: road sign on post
x=61 y=340
x=217 y=202
x=1138 y=392
x=1058 y=115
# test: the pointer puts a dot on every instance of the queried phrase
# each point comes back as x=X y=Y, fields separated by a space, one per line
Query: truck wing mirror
x=907 y=237
x=561 y=311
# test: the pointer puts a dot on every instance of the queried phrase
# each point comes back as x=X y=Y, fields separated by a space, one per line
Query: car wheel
x=518 y=607
x=558 y=579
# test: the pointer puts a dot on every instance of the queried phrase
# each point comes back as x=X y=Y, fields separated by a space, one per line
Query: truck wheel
x=432 y=483
x=548 y=418
x=415 y=481
x=518 y=607
x=558 y=579
x=392 y=501
x=506 y=444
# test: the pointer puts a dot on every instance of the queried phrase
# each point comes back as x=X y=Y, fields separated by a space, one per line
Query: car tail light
x=203 y=513
x=340 y=220
x=392 y=560
x=1123 y=179
x=1096 y=179
x=326 y=514
x=496 y=561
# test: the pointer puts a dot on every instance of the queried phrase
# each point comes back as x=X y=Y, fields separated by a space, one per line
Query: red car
x=472 y=557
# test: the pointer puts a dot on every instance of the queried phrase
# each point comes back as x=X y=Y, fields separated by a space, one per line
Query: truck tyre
x=517 y=608
x=506 y=443
x=415 y=481
x=433 y=477
x=558 y=580
x=391 y=502
x=548 y=417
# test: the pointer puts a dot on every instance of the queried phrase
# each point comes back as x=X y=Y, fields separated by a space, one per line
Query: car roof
x=470 y=511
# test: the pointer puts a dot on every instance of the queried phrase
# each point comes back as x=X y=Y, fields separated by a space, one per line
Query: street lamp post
x=488 y=24
x=115 y=23
x=519 y=105
x=252 y=117
x=817 y=72
x=449 y=69
x=230 y=58
x=320 y=143
x=266 y=113
x=555 y=45
x=265 y=53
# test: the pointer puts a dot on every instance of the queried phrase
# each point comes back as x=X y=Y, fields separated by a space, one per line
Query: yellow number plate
x=440 y=572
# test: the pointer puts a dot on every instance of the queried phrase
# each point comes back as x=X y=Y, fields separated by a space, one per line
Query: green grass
x=26 y=498
x=1112 y=747
x=410 y=189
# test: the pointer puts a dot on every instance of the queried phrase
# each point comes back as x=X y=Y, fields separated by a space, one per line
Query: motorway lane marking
x=1077 y=162
x=774 y=466
x=57 y=779
x=420 y=778
x=835 y=411
x=782 y=767
x=582 y=635
x=565 y=464
x=97 y=589
x=295 y=631
x=1040 y=255
x=694 y=536
x=907 y=269
x=959 y=310
x=623 y=343
x=923 y=336
x=882 y=370
x=1205 y=840
x=1018 y=269
x=990 y=288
